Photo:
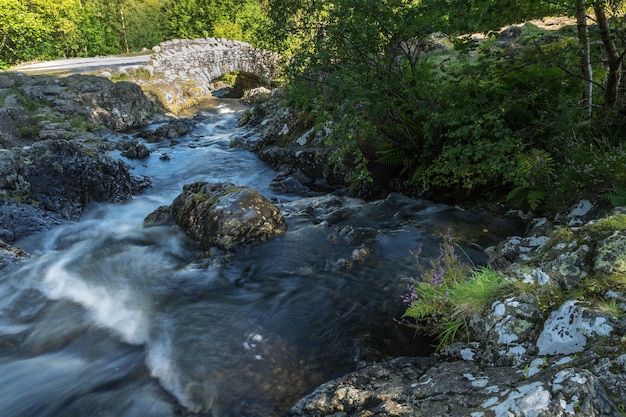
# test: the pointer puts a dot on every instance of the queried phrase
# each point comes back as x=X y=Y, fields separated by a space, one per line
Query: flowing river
x=108 y=318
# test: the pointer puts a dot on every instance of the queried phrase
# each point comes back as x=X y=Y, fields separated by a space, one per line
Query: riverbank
x=552 y=346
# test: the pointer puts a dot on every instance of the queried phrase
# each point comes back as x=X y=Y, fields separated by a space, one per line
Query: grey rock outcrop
x=415 y=387
x=53 y=181
x=39 y=108
x=53 y=161
x=278 y=140
x=222 y=215
x=118 y=106
x=12 y=120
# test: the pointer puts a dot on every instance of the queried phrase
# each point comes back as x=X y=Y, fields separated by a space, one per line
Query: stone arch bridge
x=206 y=59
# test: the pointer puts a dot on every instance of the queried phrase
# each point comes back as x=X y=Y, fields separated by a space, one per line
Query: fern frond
x=417 y=311
x=534 y=198
x=394 y=157
x=515 y=193
x=617 y=198
x=537 y=163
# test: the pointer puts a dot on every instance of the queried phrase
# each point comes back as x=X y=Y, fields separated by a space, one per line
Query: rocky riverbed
x=555 y=349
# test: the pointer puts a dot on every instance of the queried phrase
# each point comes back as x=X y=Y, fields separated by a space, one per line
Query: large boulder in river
x=222 y=215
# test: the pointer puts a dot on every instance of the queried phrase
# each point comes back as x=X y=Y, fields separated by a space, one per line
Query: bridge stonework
x=205 y=59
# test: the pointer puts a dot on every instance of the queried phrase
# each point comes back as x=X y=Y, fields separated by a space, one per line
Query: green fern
x=538 y=163
x=418 y=311
x=617 y=198
x=532 y=178
x=394 y=157
x=534 y=198
x=515 y=193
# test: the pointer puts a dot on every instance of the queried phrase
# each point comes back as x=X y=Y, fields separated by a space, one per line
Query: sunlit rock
x=222 y=215
x=568 y=329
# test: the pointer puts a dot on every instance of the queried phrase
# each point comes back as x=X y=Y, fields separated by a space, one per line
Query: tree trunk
x=124 y=31
x=585 y=56
x=614 y=58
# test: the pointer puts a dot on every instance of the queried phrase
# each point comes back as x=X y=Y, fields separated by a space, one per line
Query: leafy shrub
x=589 y=167
x=448 y=293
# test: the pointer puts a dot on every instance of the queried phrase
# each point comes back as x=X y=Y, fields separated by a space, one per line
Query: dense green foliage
x=476 y=121
x=233 y=19
x=45 y=29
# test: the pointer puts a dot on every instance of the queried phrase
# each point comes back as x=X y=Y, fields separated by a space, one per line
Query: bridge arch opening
x=235 y=84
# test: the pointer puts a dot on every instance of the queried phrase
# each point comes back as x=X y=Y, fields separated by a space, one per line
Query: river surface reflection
x=108 y=318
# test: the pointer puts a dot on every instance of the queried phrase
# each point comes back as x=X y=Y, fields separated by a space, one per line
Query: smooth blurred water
x=109 y=318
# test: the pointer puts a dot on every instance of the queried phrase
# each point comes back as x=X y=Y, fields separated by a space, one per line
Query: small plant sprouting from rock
x=448 y=293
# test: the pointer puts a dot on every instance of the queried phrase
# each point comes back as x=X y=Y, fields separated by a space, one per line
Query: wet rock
x=223 y=215
x=134 y=149
x=287 y=182
x=19 y=219
x=52 y=181
x=160 y=216
x=311 y=162
x=139 y=183
x=171 y=130
x=64 y=178
x=10 y=255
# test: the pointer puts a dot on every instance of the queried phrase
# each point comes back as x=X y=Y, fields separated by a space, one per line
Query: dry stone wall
x=205 y=59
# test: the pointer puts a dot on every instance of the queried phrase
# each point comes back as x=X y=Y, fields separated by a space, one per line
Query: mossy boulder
x=611 y=254
x=222 y=215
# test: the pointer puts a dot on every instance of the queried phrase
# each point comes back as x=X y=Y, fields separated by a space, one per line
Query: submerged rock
x=222 y=215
